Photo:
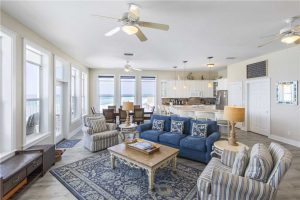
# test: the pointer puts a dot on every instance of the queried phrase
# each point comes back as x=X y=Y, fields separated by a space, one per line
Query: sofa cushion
x=177 y=126
x=260 y=164
x=171 y=138
x=186 y=121
x=151 y=135
x=167 y=119
x=212 y=126
x=158 y=125
x=240 y=163
x=97 y=125
x=194 y=143
x=199 y=130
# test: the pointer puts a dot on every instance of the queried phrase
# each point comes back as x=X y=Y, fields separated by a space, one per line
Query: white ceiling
x=197 y=30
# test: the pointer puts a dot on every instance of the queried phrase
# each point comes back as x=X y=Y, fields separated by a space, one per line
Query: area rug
x=67 y=143
x=93 y=178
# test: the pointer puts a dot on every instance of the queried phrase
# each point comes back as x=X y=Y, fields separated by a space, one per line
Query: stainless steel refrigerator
x=221 y=99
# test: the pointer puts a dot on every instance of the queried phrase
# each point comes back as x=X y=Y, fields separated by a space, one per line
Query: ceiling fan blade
x=136 y=69
x=268 y=36
x=134 y=12
x=297 y=41
x=163 y=27
x=296 y=29
x=101 y=16
x=141 y=35
x=113 y=31
x=269 y=42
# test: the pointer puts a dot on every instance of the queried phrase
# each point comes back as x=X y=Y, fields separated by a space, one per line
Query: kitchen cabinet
x=186 y=89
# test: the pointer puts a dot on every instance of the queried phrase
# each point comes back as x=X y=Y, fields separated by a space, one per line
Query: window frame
x=98 y=89
x=84 y=93
x=41 y=135
x=13 y=148
x=141 y=89
x=77 y=94
x=135 y=88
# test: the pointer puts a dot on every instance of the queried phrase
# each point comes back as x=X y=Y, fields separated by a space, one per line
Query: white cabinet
x=185 y=88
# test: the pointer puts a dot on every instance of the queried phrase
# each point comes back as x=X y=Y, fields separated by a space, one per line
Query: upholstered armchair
x=97 y=134
x=220 y=181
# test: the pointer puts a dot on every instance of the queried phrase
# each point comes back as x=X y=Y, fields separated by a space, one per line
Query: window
x=148 y=92
x=106 y=85
x=75 y=112
x=84 y=93
x=36 y=91
x=127 y=88
x=59 y=69
x=6 y=94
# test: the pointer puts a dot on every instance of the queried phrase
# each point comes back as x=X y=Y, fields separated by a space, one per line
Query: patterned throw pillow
x=98 y=125
x=177 y=126
x=199 y=130
x=158 y=125
x=240 y=163
x=260 y=164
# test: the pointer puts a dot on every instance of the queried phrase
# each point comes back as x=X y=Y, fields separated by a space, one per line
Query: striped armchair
x=218 y=181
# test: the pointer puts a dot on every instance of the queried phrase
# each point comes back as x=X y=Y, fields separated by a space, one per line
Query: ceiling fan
x=288 y=35
x=131 y=23
x=128 y=67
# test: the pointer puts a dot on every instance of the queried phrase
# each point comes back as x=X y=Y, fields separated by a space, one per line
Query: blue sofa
x=191 y=147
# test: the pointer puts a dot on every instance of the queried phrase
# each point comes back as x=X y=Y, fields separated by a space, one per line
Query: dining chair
x=122 y=115
x=136 y=107
x=109 y=115
x=138 y=115
x=112 y=107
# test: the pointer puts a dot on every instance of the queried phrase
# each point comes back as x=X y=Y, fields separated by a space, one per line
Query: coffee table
x=150 y=163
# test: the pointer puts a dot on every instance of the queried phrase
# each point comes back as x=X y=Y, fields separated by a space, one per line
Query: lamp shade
x=234 y=113
x=127 y=106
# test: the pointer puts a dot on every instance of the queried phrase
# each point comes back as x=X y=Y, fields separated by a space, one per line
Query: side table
x=220 y=145
x=128 y=132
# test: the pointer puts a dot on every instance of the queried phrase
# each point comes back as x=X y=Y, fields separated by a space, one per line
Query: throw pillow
x=177 y=126
x=199 y=130
x=98 y=125
x=260 y=164
x=158 y=125
x=240 y=163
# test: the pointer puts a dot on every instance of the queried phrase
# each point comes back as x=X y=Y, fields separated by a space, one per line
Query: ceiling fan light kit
x=289 y=39
x=130 y=29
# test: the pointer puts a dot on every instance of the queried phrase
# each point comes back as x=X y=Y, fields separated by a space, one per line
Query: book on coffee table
x=141 y=145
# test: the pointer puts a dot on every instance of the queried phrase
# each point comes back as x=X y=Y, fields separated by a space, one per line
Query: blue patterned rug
x=67 y=143
x=92 y=178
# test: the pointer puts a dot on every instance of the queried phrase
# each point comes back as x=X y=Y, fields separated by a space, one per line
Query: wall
x=22 y=32
x=282 y=66
x=160 y=75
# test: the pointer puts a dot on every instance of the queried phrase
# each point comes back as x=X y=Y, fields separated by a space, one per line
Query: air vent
x=230 y=58
x=258 y=69
x=128 y=54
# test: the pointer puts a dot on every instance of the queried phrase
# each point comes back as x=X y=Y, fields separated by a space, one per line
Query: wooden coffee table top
x=149 y=160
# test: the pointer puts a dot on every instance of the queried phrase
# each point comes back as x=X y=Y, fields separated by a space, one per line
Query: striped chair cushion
x=261 y=163
x=282 y=161
x=228 y=157
x=98 y=125
x=104 y=135
x=240 y=163
x=227 y=186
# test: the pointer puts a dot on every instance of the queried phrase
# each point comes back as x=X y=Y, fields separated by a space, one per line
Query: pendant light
x=184 y=77
x=174 y=87
x=209 y=65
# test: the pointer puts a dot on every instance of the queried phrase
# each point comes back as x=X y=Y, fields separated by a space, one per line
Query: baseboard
x=285 y=140
x=74 y=132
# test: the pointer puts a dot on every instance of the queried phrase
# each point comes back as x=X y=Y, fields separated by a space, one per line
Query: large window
x=127 y=88
x=75 y=98
x=148 y=92
x=106 y=85
x=6 y=94
x=84 y=93
x=36 y=91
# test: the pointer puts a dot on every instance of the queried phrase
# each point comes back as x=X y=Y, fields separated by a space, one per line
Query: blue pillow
x=199 y=130
x=158 y=125
x=177 y=126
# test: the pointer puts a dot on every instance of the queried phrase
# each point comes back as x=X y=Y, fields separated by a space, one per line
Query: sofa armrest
x=87 y=130
x=211 y=139
x=228 y=157
x=111 y=126
x=144 y=127
x=227 y=186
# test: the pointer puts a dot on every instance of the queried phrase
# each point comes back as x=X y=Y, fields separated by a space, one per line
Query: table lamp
x=127 y=106
x=233 y=114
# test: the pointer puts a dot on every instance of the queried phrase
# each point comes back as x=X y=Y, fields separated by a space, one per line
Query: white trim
x=74 y=132
x=285 y=140
x=36 y=140
x=7 y=155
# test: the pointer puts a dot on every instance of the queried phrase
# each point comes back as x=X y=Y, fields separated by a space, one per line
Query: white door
x=59 y=112
x=258 y=104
